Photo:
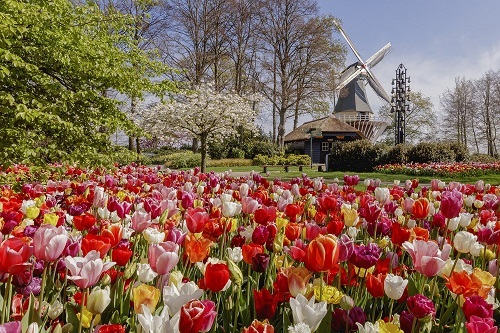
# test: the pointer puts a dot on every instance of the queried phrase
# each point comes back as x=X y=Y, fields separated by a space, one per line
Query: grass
x=279 y=172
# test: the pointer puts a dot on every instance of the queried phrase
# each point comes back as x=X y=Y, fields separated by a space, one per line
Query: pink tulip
x=451 y=203
x=196 y=218
x=49 y=242
x=481 y=325
x=86 y=271
x=197 y=316
x=249 y=205
x=427 y=258
x=163 y=257
x=11 y=327
x=141 y=221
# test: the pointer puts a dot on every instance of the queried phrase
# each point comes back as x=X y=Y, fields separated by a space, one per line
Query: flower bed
x=441 y=169
x=137 y=250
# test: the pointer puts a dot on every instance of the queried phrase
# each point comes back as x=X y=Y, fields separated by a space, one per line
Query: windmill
x=352 y=105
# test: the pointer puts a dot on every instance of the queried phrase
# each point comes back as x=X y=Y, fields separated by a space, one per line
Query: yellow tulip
x=50 y=218
x=32 y=212
x=351 y=217
x=145 y=295
x=329 y=294
x=388 y=327
x=86 y=318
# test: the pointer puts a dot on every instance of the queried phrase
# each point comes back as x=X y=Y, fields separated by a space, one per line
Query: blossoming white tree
x=204 y=114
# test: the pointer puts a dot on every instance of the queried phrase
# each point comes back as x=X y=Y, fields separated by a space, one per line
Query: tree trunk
x=138 y=146
x=281 y=130
x=203 y=141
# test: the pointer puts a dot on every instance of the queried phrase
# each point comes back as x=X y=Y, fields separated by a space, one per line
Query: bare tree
x=488 y=107
x=291 y=34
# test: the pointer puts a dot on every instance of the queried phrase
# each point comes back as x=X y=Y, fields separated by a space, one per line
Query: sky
x=436 y=40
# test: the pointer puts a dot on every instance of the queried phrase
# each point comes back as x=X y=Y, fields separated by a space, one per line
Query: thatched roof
x=327 y=125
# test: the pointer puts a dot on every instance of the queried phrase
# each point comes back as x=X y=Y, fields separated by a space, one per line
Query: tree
x=421 y=120
x=297 y=52
x=458 y=106
x=487 y=102
x=57 y=61
x=203 y=113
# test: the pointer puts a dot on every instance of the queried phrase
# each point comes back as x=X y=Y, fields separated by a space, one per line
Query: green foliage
x=282 y=160
x=426 y=152
x=58 y=61
x=483 y=158
x=356 y=156
x=183 y=160
x=396 y=154
x=245 y=145
x=229 y=162
x=459 y=149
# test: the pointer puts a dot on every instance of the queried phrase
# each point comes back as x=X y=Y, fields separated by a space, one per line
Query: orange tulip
x=292 y=231
x=420 y=208
x=464 y=284
x=114 y=232
x=298 y=277
x=145 y=295
x=259 y=327
x=419 y=234
x=250 y=250
x=322 y=253
x=197 y=249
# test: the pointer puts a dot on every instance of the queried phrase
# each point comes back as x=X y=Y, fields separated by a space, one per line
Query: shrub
x=282 y=160
x=459 y=150
x=237 y=153
x=357 y=156
x=183 y=160
x=483 y=158
x=427 y=152
x=396 y=155
x=229 y=162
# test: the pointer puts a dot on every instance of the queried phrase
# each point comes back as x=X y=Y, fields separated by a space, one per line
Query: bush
x=482 y=158
x=183 y=160
x=229 y=162
x=357 y=156
x=237 y=153
x=427 y=152
x=396 y=155
x=282 y=160
x=459 y=150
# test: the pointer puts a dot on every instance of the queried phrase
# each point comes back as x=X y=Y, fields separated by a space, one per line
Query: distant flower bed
x=139 y=250
x=441 y=169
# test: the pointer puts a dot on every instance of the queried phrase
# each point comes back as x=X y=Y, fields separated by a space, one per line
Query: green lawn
x=279 y=172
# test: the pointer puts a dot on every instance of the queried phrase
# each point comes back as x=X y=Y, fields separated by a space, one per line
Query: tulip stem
x=82 y=306
x=5 y=306
x=40 y=297
x=390 y=308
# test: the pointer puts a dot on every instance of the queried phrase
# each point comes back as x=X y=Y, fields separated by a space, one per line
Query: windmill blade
x=377 y=57
x=349 y=42
x=348 y=75
x=377 y=87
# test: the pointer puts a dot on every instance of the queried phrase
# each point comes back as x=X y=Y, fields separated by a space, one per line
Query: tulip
x=322 y=253
x=98 y=300
x=420 y=306
x=260 y=262
x=197 y=316
x=176 y=297
x=11 y=327
x=144 y=295
x=265 y=303
x=197 y=249
x=451 y=203
x=86 y=271
x=481 y=325
x=163 y=257
x=259 y=327
x=196 y=218
x=464 y=241
x=298 y=278
x=365 y=256
x=249 y=205
x=368 y=327
x=351 y=217
x=14 y=255
x=216 y=277
x=145 y=273
x=157 y=323
x=382 y=195
x=308 y=312
x=476 y=306
x=230 y=209
x=420 y=208
x=141 y=220
x=49 y=242
x=153 y=236
x=427 y=258
x=394 y=286
x=95 y=242
x=375 y=285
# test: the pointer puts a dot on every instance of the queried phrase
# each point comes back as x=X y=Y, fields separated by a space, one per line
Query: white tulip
x=145 y=273
x=463 y=241
x=307 y=312
x=394 y=286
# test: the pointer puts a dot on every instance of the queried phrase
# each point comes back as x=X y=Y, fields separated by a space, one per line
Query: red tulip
x=95 y=242
x=216 y=277
x=196 y=219
x=250 y=250
x=14 y=255
x=322 y=253
x=121 y=255
x=420 y=208
x=259 y=327
x=375 y=285
x=265 y=303
x=84 y=222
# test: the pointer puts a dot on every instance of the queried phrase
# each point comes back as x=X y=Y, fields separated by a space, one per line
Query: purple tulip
x=451 y=203
x=365 y=256
x=260 y=262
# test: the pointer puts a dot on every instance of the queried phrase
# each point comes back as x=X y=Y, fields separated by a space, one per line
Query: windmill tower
x=352 y=105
